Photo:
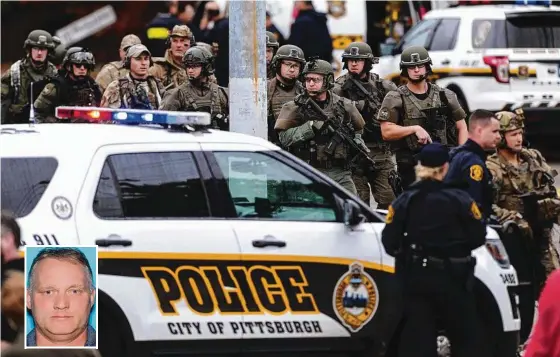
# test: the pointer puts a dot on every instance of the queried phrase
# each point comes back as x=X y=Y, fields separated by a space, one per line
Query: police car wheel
x=111 y=340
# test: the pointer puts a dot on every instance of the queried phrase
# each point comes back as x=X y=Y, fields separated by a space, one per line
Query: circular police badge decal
x=355 y=298
x=61 y=207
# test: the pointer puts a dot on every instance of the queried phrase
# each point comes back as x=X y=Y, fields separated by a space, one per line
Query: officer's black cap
x=433 y=155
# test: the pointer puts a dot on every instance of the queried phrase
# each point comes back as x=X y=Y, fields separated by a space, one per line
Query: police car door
x=161 y=252
x=310 y=280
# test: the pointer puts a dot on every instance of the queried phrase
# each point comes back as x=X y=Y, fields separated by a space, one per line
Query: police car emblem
x=523 y=72
x=61 y=207
x=355 y=298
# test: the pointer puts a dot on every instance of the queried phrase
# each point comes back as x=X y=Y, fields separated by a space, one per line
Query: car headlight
x=497 y=250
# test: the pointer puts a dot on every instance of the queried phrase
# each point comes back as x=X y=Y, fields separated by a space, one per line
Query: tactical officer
x=211 y=49
x=57 y=55
x=198 y=93
x=138 y=89
x=115 y=70
x=303 y=129
x=271 y=48
x=526 y=195
x=468 y=161
x=72 y=86
x=170 y=69
x=287 y=64
x=432 y=250
x=16 y=82
x=419 y=113
x=367 y=90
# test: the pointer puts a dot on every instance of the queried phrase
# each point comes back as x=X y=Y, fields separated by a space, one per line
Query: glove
x=359 y=104
x=506 y=215
x=359 y=141
x=316 y=124
x=549 y=209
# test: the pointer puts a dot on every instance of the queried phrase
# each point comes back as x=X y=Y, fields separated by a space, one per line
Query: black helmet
x=200 y=56
x=58 y=54
x=414 y=56
x=320 y=67
x=39 y=38
x=359 y=50
x=78 y=55
x=271 y=40
x=287 y=52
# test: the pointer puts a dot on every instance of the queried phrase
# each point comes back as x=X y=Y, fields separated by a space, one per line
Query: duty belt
x=329 y=164
x=439 y=263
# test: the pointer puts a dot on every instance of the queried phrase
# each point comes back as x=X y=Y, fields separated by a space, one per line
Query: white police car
x=494 y=57
x=218 y=243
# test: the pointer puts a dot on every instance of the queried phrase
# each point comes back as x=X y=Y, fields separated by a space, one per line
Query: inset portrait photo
x=61 y=296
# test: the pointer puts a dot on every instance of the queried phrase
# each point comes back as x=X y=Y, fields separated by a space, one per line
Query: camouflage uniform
x=298 y=130
x=437 y=113
x=16 y=82
x=380 y=152
x=199 y=94
x=128 y=92
x=532 y=175
x=271 y=42
x=65 y=89
x=279 y=92
x=115 y=70
x=166 y=69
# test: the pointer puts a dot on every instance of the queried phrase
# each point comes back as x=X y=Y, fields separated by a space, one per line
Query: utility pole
x=247 y=68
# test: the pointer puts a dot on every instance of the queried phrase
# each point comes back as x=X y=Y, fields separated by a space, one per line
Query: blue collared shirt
x=90 y=341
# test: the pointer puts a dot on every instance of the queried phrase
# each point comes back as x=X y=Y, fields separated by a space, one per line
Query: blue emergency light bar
x=133 y=116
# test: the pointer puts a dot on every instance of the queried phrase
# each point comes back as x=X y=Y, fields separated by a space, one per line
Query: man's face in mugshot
x=60 y=299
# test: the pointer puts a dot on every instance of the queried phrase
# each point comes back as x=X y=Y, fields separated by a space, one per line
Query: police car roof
x=486 y=11
x=53 y=139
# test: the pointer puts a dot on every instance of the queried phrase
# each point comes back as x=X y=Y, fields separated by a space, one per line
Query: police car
x=494 y=57
x=218 y=243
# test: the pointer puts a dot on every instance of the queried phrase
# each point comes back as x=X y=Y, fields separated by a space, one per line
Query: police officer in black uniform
x=432 y=250
x=468 y=161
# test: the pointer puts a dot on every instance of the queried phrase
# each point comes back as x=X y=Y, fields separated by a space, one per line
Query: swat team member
x=518 y=171
x=302 y=129
x=213 y=51
x=468 y=161
x=16 y=82
x=419 y=113
x=115 y=70
x=367 y=90
x=287 y=64
x=198 y=93
x=170 y=69
x=432 y=250
x=138 y=89
x=72 y=86
x=271 y=48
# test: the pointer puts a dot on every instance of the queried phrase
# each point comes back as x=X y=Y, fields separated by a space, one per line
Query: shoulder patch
x=476 y=172
x=475 y=211
x=390 y=215
x=383 y=114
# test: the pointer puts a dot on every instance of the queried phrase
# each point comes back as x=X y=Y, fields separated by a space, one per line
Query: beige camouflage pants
x=549 y=256
x=342 y=176
x=378 y=180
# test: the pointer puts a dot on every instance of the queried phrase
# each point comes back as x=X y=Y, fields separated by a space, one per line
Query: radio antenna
x=32 y=107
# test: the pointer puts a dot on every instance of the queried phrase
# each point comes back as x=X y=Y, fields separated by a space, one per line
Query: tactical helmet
x=199 y=56
x=271 y=40
x=78 y=55
x=58 y=54
x=287 y=52
x=39 y=38
x=359 y=50
x=320 y=67
x=508 y=122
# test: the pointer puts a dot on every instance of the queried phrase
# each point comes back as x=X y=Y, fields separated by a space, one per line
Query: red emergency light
x=92 y=115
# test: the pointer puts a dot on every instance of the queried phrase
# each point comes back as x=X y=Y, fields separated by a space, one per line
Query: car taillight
x=499 y=66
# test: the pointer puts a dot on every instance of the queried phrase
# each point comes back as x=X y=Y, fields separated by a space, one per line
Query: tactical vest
x=134 y=96
x=529 y=176
x=429 y=114
x=84 y=93
x=316 y=147
x=173 y=76
x=209 y=102
x=374 y=85
x=277 y=96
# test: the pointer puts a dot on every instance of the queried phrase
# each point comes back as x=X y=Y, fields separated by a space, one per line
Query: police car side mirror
x=352 y=213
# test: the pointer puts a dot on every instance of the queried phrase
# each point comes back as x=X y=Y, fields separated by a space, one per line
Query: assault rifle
x=374 y=104
x=342 y=133
x=435 y=121
x=531 y=210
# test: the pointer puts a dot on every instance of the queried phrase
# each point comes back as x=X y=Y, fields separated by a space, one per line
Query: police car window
x=488 y=34
x=419 y=35
x=263 y=187
x=445 y=35
x=542 y=31
x=150 y=185
x=24 y=181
